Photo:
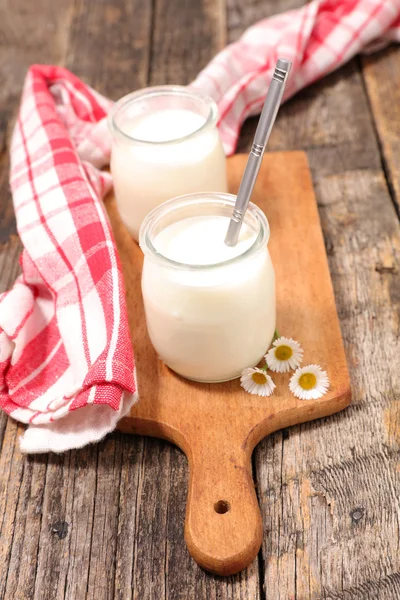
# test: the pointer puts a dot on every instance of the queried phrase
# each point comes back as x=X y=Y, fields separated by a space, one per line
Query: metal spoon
x=264 y=127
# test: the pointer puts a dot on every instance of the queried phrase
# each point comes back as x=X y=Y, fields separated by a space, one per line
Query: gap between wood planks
x=386 y=168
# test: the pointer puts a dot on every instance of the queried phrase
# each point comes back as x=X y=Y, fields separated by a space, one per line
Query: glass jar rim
x=163 y=90
x=225 y=201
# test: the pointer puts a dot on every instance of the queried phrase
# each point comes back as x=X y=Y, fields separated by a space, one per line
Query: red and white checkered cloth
x=318 y=38
x=66 y=362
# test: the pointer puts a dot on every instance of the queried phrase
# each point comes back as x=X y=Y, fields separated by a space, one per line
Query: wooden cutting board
x=218 y=425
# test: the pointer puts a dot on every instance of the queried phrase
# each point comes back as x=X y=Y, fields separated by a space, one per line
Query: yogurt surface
x=200 y=241
x=165 y=125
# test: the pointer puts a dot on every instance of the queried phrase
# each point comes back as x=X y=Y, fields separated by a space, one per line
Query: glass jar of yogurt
x=165 y=143
x=210 y=308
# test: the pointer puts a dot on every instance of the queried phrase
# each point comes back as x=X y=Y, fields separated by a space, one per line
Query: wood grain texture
x=116 y=537
x=317 y=120
x=218 y=425
x=317 y=543
x=382 y=79
x=29 y=32
x=312 y=479
x=242 y=15
x=185 y=36
x=108 y=44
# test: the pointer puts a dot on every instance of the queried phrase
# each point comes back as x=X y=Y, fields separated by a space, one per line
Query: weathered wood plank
x=131 y=485
x=325 y=472
x=329 y=490
x=7 y=219
x=10 y=252
x=108 y=44
x=242 y=15
x=25 y=539
x=30 y=32
x=381 y=74
x=11 y=471
x=105 y=521
x=186 y=35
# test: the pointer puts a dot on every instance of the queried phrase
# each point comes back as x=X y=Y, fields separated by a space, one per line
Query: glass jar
x=165 y=143
x=208 y=322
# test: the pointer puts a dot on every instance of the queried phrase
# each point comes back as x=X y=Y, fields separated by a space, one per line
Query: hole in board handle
x=221 y=507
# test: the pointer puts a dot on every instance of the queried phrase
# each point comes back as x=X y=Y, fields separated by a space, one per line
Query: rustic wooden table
x=107 y=521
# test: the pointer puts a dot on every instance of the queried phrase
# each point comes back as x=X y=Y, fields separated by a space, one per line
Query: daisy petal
x=285 y=355
x=309 y=383
x=257 y=381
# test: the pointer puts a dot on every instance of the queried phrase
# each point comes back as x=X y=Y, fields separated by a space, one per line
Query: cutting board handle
x=223 y=528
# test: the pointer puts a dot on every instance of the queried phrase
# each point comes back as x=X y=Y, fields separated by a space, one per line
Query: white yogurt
x=164 y=153
x=208 y=322
x=200 y=241
x=165 y=125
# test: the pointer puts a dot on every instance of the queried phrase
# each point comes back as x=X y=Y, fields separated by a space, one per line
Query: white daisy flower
x=309 y=383
x=257 y=381
x=285 y=354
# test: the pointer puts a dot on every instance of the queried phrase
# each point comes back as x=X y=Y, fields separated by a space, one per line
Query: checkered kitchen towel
x=318 y=38
x=66 y=362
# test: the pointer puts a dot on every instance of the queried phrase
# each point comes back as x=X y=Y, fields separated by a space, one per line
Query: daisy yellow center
x=283 y=352
x=259 y=378
x=307 y=381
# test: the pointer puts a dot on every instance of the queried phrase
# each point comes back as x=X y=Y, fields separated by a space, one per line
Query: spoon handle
x=263 y=131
